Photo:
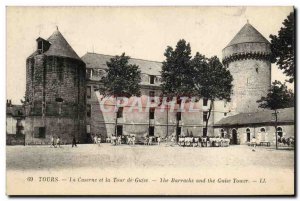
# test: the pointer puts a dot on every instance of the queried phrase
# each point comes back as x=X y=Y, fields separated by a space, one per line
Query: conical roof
x=60 y=47
x=248 y=34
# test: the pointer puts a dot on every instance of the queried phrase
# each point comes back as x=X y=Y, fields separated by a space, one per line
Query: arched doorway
x=248 y=134
x=263 y=134
x=279 y=132
x=222 y=133
x=234 y=136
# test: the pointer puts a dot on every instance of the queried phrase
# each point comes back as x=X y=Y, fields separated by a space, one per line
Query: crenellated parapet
x=248 y=55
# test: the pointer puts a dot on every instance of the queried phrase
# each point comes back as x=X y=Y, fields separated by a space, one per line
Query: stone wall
x=251 y=81
x=257 y=132
x=137 y=122
x=55 y=91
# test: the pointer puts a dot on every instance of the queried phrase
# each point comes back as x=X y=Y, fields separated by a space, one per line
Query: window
x=205 y=116
x=225 y=103
x=119 y=130
x=88 y=91
x=204 y=130
x=40 y=45
x=152 y=78
x=262 y=130
x=178 y=116
x=39 y=132
x=151 y=113
x=178 y=131
x=248 y=134
x=205 y=100
x=152 y=95
x=120 y=112
x=222 y=133
x=151 y=131
x=88 y=129
x=279 y=131
x=225 y=114
x=88 y=110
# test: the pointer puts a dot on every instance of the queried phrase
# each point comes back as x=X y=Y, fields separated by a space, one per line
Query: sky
x=140 y=32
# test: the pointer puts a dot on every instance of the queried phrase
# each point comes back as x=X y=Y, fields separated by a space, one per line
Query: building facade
x=63 y=99
x=15 y=124
x=145 y=120
x=241 y=128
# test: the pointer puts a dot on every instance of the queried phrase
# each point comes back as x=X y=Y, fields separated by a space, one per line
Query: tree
x=177 y=73
x=283 y=47
x=121 y=80
x=212 y=81
x=278 y=97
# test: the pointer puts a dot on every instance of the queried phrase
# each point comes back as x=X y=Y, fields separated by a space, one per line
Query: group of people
x=55 y=142
x=149 y=140
x=97 y=139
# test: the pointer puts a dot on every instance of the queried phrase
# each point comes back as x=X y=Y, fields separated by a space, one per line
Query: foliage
x=212 y=80
x=283 y=47
x=122 y=79
x=177 y=72
x=278 y=97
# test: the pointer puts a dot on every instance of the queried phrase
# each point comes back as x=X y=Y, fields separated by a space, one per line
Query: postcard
x=156 y=101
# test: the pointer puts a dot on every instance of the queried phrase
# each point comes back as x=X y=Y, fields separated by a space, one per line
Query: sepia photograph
x=150 y=101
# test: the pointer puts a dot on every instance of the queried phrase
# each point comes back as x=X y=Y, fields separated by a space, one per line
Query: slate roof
x=15 y=110
x=284 y=116
x=248 y=34
x=94 y=60
x=60 y=47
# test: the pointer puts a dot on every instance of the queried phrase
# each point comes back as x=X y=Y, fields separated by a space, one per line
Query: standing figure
x=52 y=142
x=58 y=142
x=172 y=140
x=99 y=140
x=158 y=140
x=253 y=143
x=119 y=140
x=95 y=139
x=133 y=140
x=74 y=142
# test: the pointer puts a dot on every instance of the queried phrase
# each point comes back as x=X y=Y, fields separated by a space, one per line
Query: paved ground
x=139 y=156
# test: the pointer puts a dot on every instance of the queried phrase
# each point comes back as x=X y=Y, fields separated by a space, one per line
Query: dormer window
x=42 y=45
x=152 y=78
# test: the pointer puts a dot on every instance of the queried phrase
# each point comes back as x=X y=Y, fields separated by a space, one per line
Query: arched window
x=279 y=131
x=248 y=134
x=262 y=130
x=222 y=133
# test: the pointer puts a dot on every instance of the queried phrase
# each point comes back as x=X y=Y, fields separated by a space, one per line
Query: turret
x=247 y=56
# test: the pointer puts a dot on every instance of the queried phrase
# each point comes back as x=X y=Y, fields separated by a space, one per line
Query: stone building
x=150 y=121
x=55 y=92
x=15 y=123
x=241 y=128
x=62 y=96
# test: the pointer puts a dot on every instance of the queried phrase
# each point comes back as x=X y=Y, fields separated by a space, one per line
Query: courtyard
x=152 y=170
x=140 y=156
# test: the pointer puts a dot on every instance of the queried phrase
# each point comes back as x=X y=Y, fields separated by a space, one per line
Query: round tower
x=55 y=92
x=247 y=57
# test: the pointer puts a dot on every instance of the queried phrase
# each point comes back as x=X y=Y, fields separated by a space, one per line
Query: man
x=58 y=142
x=52 y=142
x=74 y=142
x=99 y=140
x=158 y=140
x=253 y=143
x=133 y=140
